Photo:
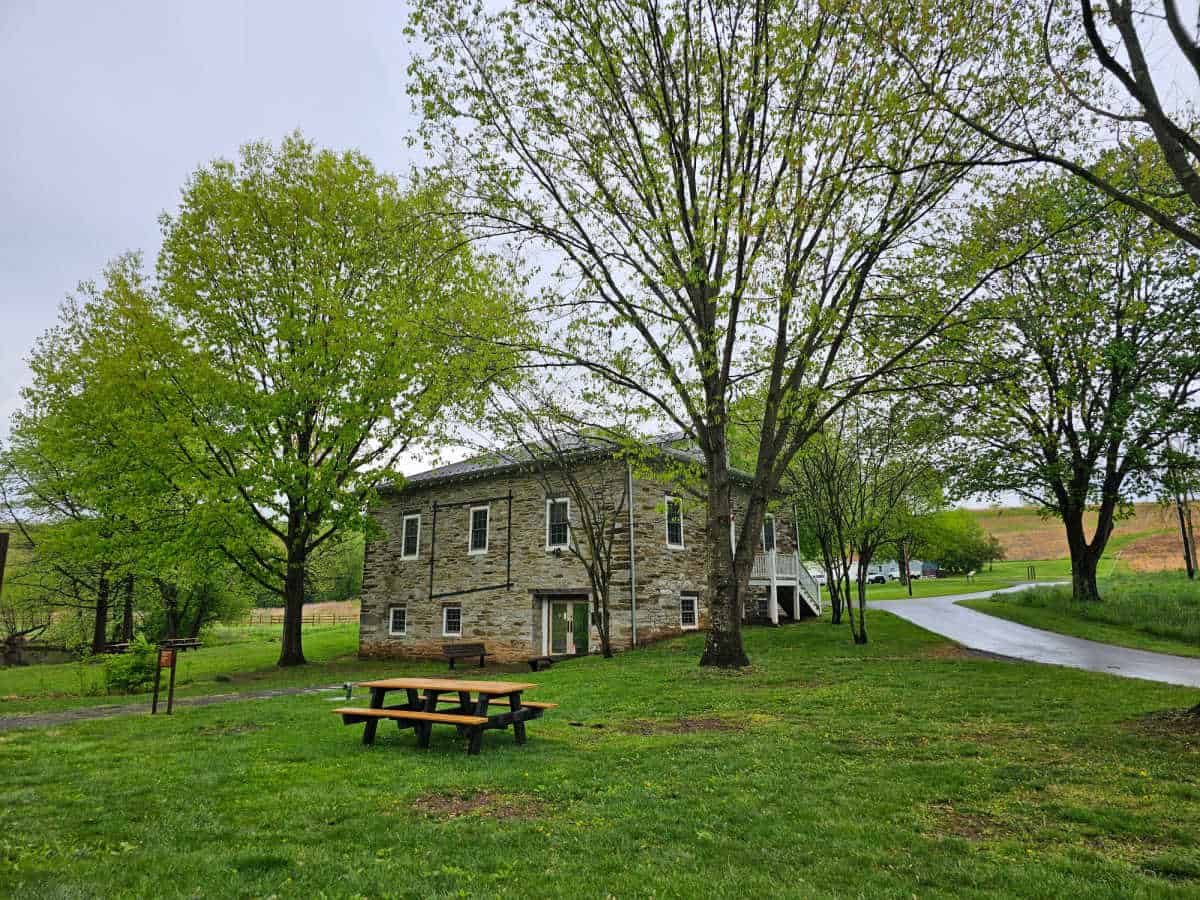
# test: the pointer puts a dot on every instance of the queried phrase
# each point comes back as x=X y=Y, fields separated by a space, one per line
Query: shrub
x=133 y=670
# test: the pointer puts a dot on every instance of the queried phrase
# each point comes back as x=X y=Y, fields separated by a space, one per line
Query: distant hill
x=1149 y=541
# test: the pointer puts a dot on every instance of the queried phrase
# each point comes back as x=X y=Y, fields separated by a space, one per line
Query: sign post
x=166 y=660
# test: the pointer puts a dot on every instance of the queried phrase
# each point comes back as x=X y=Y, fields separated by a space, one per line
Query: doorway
x=569 y=631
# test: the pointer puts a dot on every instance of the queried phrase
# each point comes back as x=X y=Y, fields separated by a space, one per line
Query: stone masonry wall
x=508 y=618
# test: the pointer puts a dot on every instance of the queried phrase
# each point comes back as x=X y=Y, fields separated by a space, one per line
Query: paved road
x=979 y=631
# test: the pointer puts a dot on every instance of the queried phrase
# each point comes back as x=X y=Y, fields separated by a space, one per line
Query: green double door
x=569 y=628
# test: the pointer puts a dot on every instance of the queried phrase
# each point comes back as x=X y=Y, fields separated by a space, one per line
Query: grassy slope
x=1026 y=535
x=1065 y=623
x=248 y=664
x=899 y=769
x=1159 y=612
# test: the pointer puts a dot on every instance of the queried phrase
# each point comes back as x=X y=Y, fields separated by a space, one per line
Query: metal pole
x=171 y=689
x=432 y=546
x=508 y=543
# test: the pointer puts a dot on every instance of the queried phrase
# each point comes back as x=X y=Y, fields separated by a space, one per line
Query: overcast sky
x=106 y=108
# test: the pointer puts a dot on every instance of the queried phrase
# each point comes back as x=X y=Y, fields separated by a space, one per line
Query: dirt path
x=66 y=716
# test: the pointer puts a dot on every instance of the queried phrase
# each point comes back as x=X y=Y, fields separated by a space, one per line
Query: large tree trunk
x=1085 y=557
x=127 y=615
x=169 y=591
x=100 y=624
x=1189 y=561
x=724 y=647
x=291 y=650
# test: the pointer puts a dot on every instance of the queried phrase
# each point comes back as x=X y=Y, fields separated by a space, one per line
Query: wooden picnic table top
x=450 y=684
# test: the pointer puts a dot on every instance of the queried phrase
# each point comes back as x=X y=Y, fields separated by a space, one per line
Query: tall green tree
x=312 y=321
x=1052 y=79
x=1083 y=359
x=719 y=186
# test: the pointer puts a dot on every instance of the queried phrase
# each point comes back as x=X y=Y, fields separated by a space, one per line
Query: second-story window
x=411 y=537
x=768 y=533
x=674 y=522
x=558 y=529
x=478 y=540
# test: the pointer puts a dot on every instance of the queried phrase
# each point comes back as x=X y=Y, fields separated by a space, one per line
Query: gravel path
x=82 y=714
x=990 y=634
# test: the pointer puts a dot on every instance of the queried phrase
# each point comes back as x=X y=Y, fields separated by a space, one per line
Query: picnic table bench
x=464 y=651
x=471 y=718
x=169 y=644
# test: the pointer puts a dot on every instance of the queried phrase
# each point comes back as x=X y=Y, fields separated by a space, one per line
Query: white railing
x=787 y=567
x=788 y=572
x=810 y=589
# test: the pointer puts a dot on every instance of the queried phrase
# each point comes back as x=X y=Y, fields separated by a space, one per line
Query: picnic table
x=470 y=715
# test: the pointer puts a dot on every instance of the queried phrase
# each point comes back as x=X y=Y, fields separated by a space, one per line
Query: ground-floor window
x=764 y=608
x=398 y=620
x=689 y=611
x=451 y=621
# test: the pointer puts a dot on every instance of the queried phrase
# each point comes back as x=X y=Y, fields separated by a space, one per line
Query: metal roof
x=502 y=462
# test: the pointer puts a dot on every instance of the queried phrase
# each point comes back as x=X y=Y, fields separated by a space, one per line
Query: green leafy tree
x=719 y=187
x=1083 y=360
x=311 y=322
x=1051 y=79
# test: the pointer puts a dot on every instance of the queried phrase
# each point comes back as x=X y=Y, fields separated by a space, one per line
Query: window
x=411 y=548
x=764 y=611
x=398 y=620
x=674 y=522
x=477 y=542
x=451 y=621
x=689 y=611
x=558 y=529
x=769 y=533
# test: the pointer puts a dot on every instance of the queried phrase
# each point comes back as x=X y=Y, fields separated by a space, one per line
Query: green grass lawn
x=239 y=660
x=904 y=768
x=1159 y=612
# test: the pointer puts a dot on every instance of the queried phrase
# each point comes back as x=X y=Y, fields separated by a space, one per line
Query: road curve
x=979 y=631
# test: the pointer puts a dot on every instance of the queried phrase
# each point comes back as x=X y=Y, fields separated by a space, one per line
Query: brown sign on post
x=166 y=660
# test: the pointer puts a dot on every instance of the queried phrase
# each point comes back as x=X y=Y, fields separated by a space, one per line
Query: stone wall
x=504 y=608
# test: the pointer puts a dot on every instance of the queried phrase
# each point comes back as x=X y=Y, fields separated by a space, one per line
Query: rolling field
x=1148 y=541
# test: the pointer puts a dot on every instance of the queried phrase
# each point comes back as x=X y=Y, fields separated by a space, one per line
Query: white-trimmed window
x=451 y=621
x=689 y=611
x=410 y=533
x=398 y=621
x=558 y=522
x=477 y=539
x=764 y=610
x=674 y=519
x=768 y=535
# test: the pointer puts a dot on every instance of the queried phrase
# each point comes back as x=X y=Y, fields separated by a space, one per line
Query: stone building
x=480 y=551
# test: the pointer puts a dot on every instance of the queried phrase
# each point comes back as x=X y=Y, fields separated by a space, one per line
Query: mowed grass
x=1148 y=611
x=903 y=768
x=241 y=659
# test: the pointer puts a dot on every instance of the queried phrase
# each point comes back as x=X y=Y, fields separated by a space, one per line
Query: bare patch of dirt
x=491 y=804
x=1170 y=723
x=971 y=826
x=681 y=726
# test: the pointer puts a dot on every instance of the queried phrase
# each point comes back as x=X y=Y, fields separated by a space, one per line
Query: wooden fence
x=270 y=617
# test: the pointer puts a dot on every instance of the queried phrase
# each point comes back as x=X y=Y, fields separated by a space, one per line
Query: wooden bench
x=464 y=651
x=503 y=701
x=422 y=723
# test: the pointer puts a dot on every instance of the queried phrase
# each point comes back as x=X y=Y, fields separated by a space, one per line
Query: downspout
x=632 y=564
